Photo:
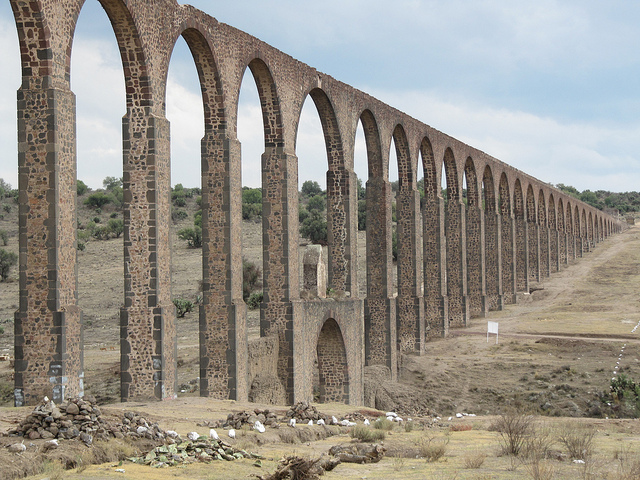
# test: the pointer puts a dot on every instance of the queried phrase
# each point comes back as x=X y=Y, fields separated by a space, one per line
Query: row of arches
x=486 y=228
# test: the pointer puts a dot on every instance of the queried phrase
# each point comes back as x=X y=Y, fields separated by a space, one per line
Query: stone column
x=533 y=240
x=456 y=264
x=475 y=261
x=148 y=347
x=48 y=322
x=493 y=259
x=280 y=254
x=379 y=306
x=554 y=250
x=342 y=230
x=223 y=333
x=522 y=255
x=434 y=261
x=508 y=259
x=410 y=306
x=562 y=248
x=545 y=260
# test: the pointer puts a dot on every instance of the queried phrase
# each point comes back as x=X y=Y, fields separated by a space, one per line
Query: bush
x=180 y=201
x=474 y=460
x=113 y=215
x=193 y=236
x=254 y=301
x=178 y=215
x=383 y=424
x=366 y=434
x=7 y=208
x=251 y=211
x=251 y=278
x=514 y=429
x=577 y=439
x=102 y=233
x=431 y=448
x=316 y=203
x=81 y=246
x=197 y=218
x=7 y=260
x=362 y=214
x=98 y=200
x=116 y=226
x=96 y=220
x=182 y=306
x=314 y=228
x=81 y=187
x=4 y=237
x=110 y=183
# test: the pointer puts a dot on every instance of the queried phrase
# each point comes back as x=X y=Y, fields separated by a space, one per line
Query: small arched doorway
x=333 y=370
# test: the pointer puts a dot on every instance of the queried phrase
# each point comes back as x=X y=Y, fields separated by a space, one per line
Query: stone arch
x=533 y=235
x=492 y=241
x=544 y=235
x=473 y=228
x=433 y=246
x=508 y=243
x=454 y=231
x=584 y=231
x=270 y=103
x=552 y=222
x=374 y=148
x=332 y=364
x=590 y=231
x=570 y=233
x=341 y=275
x=408 y=312
x=521 y=244
x=562 y=238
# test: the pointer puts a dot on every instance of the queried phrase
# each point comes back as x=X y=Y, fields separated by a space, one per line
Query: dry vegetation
x=555 y=358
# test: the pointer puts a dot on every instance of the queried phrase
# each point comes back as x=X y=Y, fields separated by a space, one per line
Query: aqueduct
x=458 y=257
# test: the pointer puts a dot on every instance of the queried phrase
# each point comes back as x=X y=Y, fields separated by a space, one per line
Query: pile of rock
x=202 y=449
x=237 y=420
x=136 y=426
x=303 y=412
x=76 y=418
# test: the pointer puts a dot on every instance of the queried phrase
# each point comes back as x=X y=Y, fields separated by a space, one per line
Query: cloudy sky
x=550 y=87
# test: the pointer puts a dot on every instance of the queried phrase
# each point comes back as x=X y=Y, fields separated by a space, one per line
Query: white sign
x=492 y=327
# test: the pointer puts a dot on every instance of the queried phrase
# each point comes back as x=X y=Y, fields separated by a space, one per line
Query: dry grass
x=578 y=439
x=432 y=448
x=474 y=460
x=367 y=434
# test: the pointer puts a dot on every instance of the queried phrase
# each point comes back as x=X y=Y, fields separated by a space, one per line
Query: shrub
x=193 y=236
x=197 y=218
x=4 y=237
x=116 y=226
x=110 y=183
x=431 y=448
x=183 y=306
x=97 y=200
x=303 y=213
x=251 y=211
x=178 y=215
x=102 y=233
x=81 y=187
x=113 y=215
x=514 y=429
x=7 y=260
x=577 y=439
x=96 y=220
x=251 y=278
x=383 y=424
x=254 y=301
x=474 y=460
x=316 y=203
x=314 y=228
x=81 y=246
x=180 y=201
x=460 y=427
x=310 y=188
x=366 y=434
x=7 y=208
x=362 y=214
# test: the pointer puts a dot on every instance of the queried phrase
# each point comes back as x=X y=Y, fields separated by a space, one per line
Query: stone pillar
x=342 y=223
x=314 y=275
x=493 y=259
x=475 y=261
x=48 y=322
x=410 y=306
x=508 y=259
x=554 y=250
x=280 y=254
x=545 y=260
x=571 y=246
x=379 y=306
x=562 y=248
x=223 y=333
x=148 y=347
x=522 y=255
x=434 y=261
x=456 y=264
x=533 y=240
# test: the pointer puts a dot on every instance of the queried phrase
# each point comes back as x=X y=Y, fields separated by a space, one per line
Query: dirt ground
x=557 y=350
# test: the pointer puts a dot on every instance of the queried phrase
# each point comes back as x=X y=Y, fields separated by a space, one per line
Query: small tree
x=311 y=188
x=109 y=183
x=7 y=260
x=97 y=200
x=314 y=228
x=116 y=225
x=182 y=306
x=193 y=236
x=251 y=278
x=81 y=187
x=316 y=203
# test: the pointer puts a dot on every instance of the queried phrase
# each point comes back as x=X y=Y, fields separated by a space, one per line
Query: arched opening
x=508 y=244
x=577 y=231
x=533 y=235
x=521 y=244
x=474 y=220
x=394 y=182
x=554 y=256
x=362 y=175
x=454 y=228
x=562 y=239
x=544 y=235
x=436 y=318
x=570 y=234
x=493 y=267
x=333 y=369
